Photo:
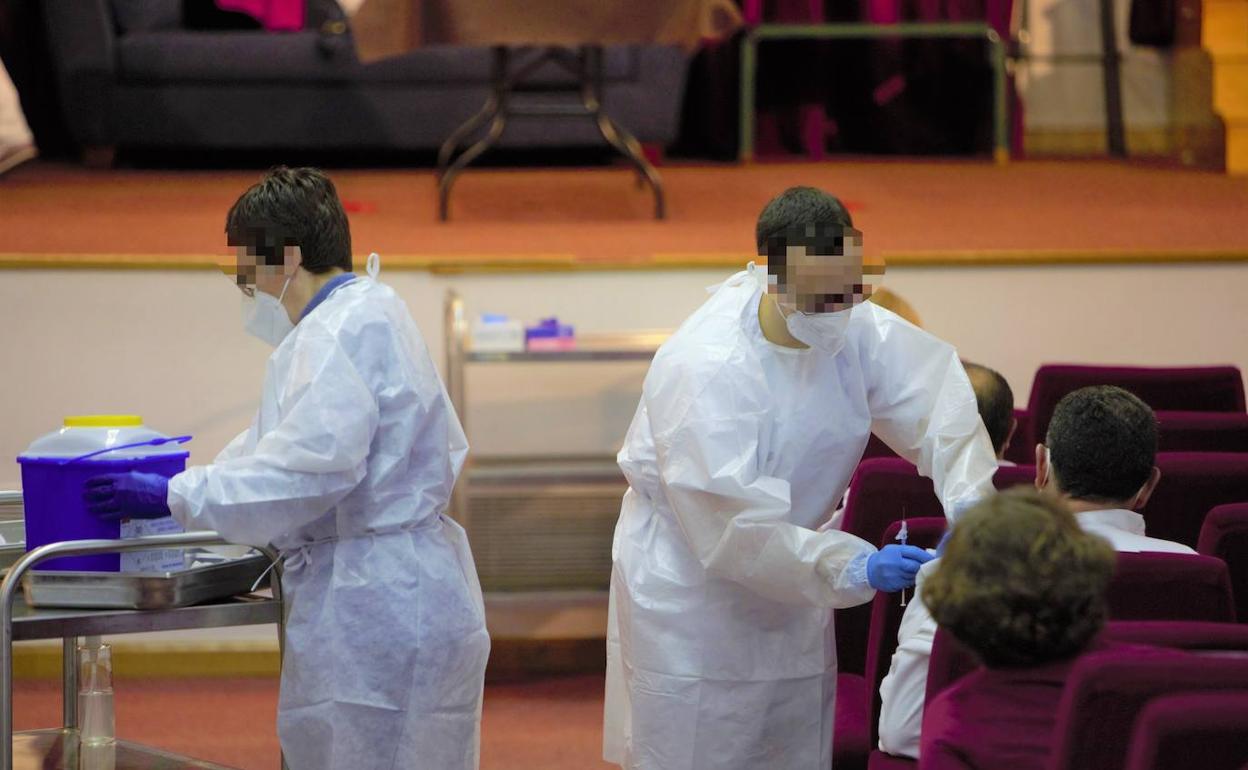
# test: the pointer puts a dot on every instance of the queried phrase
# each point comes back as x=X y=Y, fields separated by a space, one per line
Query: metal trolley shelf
x=590 y=348
x=18 y=622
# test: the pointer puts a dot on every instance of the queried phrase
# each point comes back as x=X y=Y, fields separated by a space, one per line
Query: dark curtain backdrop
x=887 y=97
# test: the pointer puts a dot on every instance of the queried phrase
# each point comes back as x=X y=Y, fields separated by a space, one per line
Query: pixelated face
x=823 y=271
x=258 y=266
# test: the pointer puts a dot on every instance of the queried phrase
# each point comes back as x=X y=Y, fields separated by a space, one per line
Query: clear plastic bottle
x=96 y=725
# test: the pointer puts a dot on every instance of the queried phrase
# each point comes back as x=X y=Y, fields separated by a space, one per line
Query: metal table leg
x=499 y=108
x=496 y=111
x=619 y=138
x=487 y=113
x=448 y=148
x=69 y=682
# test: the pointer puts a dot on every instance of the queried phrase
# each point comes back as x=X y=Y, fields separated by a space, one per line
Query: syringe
x=902 y=537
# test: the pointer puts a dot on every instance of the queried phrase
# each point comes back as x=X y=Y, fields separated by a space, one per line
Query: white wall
x=169 y=345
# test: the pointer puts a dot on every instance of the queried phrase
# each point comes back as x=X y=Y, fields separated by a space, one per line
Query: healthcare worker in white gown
x=347 y=468
x=753 y=416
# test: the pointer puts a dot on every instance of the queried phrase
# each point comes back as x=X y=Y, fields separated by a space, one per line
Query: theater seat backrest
x=1224 y=535
x=1191 y=484
x=951 y=660
x=1202 y=432
x=1107 y=690
x=1202 y=389
x=1205 y=730
x=1170 y=586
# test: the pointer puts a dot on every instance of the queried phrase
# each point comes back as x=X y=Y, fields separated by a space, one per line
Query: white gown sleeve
x=234 y=448
x=315 y=455
x=903 y=690
x=923 y=408
x=708 y=445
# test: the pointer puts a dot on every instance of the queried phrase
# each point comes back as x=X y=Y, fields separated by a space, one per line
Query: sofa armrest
x=82 y=42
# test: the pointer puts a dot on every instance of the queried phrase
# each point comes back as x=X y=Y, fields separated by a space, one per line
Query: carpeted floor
x=550 y=724
x=600 y=216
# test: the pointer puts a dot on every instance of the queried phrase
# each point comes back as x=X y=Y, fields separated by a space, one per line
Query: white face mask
x=265 y=318
x=822 y=331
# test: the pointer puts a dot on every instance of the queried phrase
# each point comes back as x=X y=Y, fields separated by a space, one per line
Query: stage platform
x=913 y=212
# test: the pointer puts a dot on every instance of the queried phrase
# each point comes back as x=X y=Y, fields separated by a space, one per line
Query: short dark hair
x=1102 y=443
x=1020 y=582
x=804 y=216
x=292 y=207
x=795 y=209
x=995 y=400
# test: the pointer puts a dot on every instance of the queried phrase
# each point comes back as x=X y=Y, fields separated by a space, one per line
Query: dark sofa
x=131 y=75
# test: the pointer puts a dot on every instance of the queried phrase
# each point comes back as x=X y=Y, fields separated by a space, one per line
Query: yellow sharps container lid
x=103 y=421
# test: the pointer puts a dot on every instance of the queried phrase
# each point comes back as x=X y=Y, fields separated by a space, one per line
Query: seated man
x=1098 y=456
x=1027 y=613
x=996 y=406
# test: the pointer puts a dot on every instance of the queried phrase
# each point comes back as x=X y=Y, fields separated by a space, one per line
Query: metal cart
x=637 y=346
x=540 y=526
x=57 y=748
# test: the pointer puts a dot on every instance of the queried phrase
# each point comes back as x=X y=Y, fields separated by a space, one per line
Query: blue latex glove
x=894 y=567
x=132 y=495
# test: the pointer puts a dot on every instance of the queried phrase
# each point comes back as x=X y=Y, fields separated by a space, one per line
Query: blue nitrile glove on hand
x=894 y=567
x=130 y=495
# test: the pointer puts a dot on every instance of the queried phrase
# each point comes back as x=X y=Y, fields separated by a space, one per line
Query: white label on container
x=165 y=560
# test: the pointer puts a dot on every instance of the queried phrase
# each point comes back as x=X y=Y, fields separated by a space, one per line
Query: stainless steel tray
x=144 y=591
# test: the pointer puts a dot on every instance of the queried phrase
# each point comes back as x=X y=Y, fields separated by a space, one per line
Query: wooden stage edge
x=446 y=264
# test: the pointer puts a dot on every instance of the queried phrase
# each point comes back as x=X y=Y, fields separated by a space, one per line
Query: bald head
x=996 y=404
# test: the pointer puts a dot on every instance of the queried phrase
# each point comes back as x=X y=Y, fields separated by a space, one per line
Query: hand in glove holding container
x=131 y=495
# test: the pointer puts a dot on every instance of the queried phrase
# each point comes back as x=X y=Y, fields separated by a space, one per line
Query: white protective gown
x=720 y=651
x=347 y=469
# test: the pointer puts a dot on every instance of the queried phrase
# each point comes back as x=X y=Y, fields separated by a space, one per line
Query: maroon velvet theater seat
x=849 y=730
x=1170 y=586
x=951 y=660
x=1192 y=483
x=1204 y=730
x=1108 y=690
x=1197 y=389
x=1202 y=432
x=1021 y=449
x=1224 y=535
